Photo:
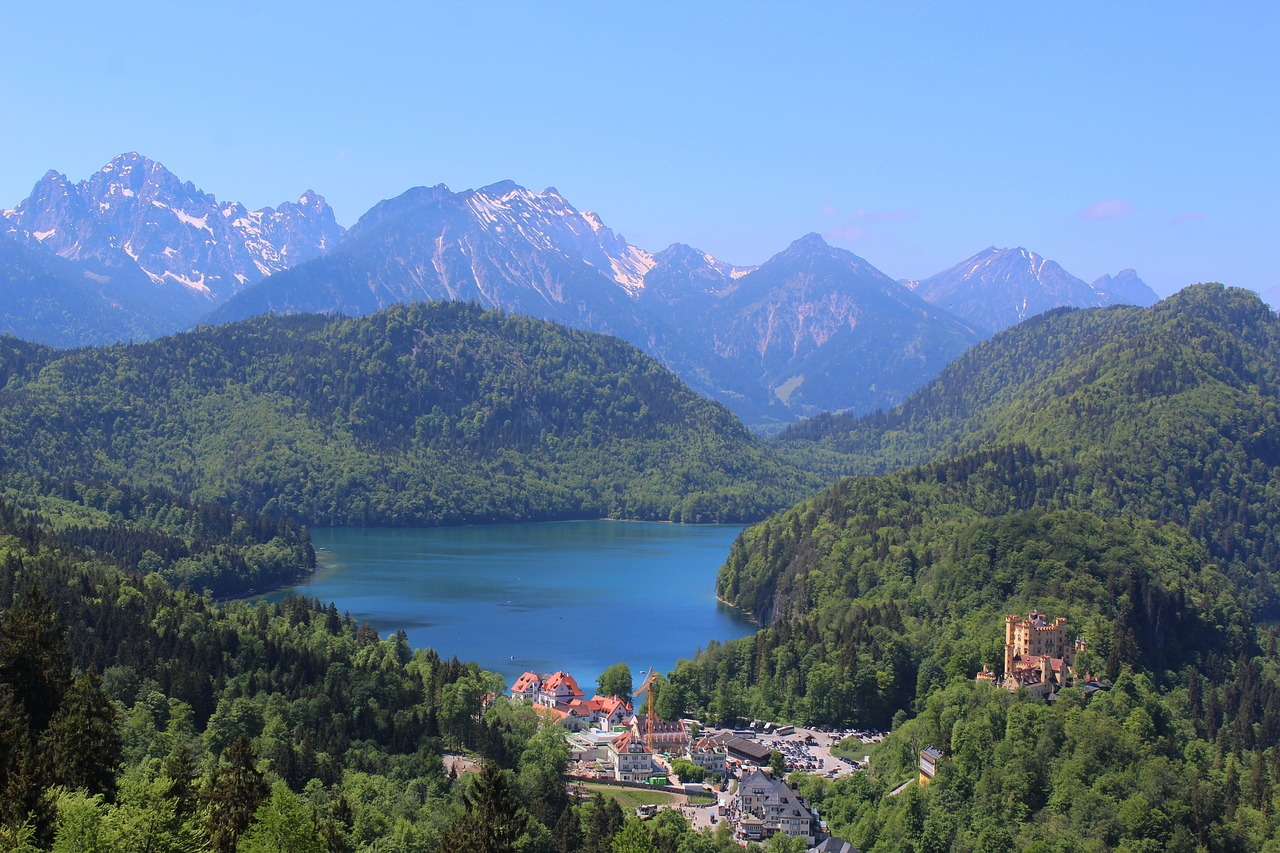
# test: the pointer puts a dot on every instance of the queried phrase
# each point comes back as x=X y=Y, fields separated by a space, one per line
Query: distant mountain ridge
x=141 y=253
x=999 y=288
x=135 y=223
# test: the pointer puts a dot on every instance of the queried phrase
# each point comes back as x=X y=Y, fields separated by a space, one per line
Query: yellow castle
x=1037 y=654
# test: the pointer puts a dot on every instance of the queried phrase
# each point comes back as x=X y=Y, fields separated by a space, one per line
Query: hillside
x=422 y=414
x=1168 y=414
x=1117 y=467
x=1151 y=428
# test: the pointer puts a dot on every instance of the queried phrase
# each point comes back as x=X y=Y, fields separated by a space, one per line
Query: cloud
x=846 y=232
x=1108 y=208
x=1189 y=216
x=885 y=215
x=830 y=210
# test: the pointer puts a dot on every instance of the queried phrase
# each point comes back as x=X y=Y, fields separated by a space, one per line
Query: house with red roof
x=559 y=688
x=527 y=687
x=631 y=759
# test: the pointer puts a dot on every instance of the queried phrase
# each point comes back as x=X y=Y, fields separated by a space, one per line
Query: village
x=739 y=776
x=728 y=770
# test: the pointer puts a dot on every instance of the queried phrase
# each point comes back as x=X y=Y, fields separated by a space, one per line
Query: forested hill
x=422 y=414
x=1118 y=467
x=1065 y=377
x=1167 y=414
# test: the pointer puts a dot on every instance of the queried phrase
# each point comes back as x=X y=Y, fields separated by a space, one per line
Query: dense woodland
x=138 y=717
x=1118 y=467
x=418 y=415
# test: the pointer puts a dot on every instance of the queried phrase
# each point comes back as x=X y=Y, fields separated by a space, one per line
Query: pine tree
x=22 y=776
x=234 y=793
x=494 y=819
x=34 y=658
x=83 y=739
x=568 y=832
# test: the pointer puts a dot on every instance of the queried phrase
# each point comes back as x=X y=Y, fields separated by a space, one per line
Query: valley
x=1116 y=465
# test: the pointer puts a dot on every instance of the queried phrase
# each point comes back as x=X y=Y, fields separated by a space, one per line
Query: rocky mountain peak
x=134 y=214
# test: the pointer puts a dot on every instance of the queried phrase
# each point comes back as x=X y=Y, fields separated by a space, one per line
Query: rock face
x=998 y=288
x=815 y=328
x=133 y=252
x=501 y=246
x=1125 y=288
x=135 y=216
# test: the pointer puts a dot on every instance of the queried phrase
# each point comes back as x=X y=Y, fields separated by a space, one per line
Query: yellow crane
x=646 y=686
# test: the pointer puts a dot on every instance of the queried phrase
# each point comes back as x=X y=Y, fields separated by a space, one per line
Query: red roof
x=525 y=683
x=559 y=678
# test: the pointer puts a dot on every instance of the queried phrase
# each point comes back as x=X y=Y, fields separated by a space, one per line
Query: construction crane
x=646 y=686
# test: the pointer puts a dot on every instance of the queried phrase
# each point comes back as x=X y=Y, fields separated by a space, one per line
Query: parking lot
x=809 y=750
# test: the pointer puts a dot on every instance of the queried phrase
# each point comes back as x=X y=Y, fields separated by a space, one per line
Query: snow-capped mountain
x=136 y=214
x=502 y=246
x=134 y=252
x=998 y=288
x=816 y=328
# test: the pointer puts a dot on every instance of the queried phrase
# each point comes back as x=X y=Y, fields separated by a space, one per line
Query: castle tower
x=1009 y=622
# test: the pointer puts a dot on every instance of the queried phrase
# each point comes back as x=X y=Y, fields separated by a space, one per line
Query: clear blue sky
x=1102 y=135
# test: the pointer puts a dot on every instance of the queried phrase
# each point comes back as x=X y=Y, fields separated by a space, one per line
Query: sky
x=1100 y=135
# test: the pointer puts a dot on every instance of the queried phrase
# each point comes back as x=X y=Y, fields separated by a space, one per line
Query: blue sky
x=1102 y=135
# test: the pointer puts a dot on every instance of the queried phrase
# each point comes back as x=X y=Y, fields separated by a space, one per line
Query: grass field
x=629 y=798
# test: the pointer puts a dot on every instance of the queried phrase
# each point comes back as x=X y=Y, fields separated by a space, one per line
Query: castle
x=1037 y=655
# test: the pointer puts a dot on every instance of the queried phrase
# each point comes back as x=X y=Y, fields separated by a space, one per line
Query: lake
x=576 y=595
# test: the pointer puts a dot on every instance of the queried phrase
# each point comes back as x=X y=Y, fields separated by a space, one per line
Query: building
x=833 y=845
x=709 y=754
x=631 y=759
x=557 y=697
x=668 y=736
x=768 y=806
x=1037 y=655
x=559 y=688
x=527 y=687
x=930 y=756
x=745 y=749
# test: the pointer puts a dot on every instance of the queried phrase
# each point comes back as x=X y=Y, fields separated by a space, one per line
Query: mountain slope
x=53 y=301
x=135 y=221
x=816 y=328
x=1171 y=413
x=998 y=288
x=1119 y=468
x=500 y=246
x=423 y=414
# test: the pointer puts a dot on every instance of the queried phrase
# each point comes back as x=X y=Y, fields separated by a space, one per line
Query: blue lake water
x=578 y=596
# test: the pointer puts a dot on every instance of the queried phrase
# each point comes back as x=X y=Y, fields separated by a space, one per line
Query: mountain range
x=133 y=252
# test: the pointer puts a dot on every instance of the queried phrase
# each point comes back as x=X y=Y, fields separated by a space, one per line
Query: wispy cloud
x=831 y=211
x=1189 y=216
x=846 y=232
x=1108 y=208
x=885 y=215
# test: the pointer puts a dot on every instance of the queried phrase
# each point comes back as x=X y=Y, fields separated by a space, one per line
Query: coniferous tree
x=493 y=819
x=34 y=658
x=22 y=776
x=83 y=739
x=234 y=793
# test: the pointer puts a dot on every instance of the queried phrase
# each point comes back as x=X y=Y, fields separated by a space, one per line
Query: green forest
x=1116 y=467
x=420 y=415
x=1119 y=467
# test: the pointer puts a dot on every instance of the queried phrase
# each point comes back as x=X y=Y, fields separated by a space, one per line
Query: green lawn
x=629 y=798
